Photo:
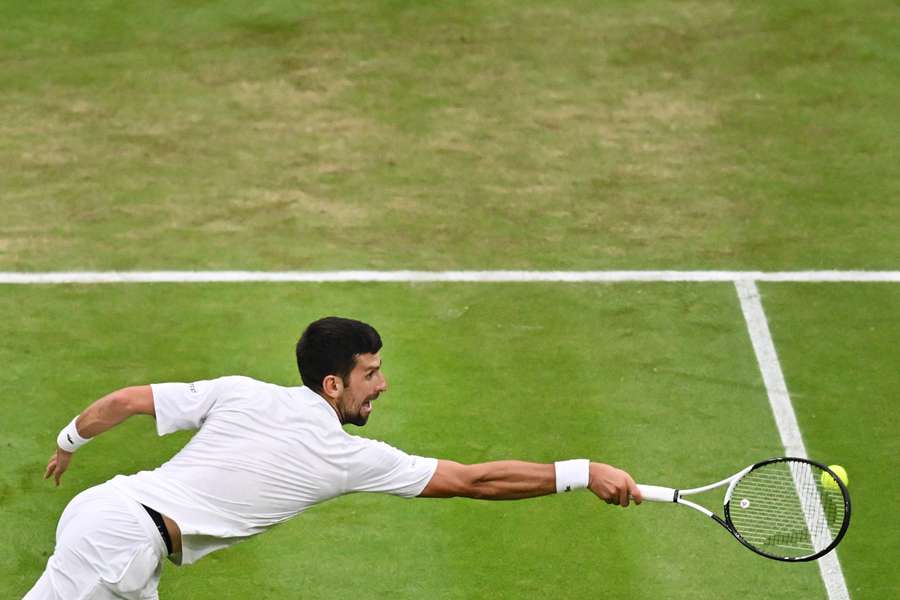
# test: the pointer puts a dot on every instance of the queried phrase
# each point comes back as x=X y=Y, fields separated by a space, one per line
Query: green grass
x=455 y=135
x=638 y=375
x=838 y=346
x=395 y=135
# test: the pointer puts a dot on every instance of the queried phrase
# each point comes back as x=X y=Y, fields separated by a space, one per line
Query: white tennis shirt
x=263 y=454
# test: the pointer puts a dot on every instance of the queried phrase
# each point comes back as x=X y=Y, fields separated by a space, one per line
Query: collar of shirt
x=315 y=398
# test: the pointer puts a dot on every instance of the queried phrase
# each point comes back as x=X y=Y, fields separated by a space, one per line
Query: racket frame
x=663 y=494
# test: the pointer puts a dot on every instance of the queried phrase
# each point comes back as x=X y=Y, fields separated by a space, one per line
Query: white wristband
x=69 y=440
x=572 y=474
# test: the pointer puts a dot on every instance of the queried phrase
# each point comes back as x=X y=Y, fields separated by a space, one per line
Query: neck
x=333 y=404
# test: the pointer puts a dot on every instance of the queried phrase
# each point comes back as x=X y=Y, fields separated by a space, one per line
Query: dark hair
x=329 y=346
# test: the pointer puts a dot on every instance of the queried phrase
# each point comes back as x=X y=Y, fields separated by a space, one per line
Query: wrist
x=69 y=439
x=572 y=474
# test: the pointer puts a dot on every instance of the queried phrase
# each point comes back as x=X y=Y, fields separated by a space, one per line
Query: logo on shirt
x=69 y=437
x=193 y=388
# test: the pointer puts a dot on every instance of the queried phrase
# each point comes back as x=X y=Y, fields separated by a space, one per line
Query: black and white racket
x=781 y=508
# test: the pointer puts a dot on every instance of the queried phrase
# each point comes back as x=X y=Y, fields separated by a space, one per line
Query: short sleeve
x=182 y=405
x=379 y=467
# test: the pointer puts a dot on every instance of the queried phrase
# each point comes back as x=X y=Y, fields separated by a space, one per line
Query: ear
x=332 y=386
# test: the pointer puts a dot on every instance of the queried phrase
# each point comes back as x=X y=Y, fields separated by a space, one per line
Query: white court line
x=441 y=276
x=785 y=419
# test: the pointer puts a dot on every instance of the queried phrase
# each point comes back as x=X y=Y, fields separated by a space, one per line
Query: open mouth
x=366 y=406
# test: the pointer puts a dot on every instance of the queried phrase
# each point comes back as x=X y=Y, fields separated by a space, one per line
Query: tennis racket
x=780 y=508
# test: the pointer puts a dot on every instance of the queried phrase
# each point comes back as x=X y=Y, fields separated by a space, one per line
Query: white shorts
x=107 y=546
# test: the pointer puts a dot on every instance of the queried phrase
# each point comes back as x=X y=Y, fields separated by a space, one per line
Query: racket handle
x=655 y=493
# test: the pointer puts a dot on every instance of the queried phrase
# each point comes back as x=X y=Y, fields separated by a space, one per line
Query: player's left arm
x=102 y=415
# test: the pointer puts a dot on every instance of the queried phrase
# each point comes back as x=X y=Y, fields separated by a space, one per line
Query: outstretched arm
x=103 y=414
x=512 y=479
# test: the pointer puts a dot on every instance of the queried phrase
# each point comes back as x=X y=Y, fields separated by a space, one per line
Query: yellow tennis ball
x=828 y=481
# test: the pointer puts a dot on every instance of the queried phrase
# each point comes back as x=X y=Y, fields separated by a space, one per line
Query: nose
x=383 y=385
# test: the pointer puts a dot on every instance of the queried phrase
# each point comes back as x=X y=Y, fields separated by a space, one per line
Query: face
x=365 y=383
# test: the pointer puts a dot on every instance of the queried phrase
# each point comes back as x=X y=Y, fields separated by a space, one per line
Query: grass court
x=463 y=135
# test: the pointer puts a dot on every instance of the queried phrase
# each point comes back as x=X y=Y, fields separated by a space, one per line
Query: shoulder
x=242 y=382
x=240 y=387
x=369 y=450
x=238 y=380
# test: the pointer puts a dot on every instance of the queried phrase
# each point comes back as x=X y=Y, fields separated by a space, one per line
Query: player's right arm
x=104 y=414
x=511 y=480
x=374 y=466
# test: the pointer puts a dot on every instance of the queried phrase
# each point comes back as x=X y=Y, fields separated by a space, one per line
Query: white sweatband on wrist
x=69 y=440
x=572 y=474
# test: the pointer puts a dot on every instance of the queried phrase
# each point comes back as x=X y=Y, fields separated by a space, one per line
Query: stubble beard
x=358 y=418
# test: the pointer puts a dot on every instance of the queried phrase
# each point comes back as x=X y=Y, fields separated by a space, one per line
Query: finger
x=623 y=494
x=51 y=465
x=635 y=491
x=60 y=467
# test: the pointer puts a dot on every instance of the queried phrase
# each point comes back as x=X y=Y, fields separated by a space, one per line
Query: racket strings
x=782 y=509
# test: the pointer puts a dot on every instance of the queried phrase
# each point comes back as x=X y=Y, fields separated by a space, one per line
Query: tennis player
x=262 y=454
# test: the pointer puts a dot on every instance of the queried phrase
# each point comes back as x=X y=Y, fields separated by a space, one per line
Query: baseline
x=88 y=277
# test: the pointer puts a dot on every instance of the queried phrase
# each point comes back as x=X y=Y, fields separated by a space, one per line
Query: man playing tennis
x=262 y=454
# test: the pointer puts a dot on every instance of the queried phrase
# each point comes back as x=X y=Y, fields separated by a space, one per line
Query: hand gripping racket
x=781 y=508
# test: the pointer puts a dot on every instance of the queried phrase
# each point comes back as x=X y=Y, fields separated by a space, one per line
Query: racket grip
x=655 y=493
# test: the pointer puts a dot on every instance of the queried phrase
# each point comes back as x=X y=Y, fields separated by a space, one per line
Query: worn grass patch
x=393 y=135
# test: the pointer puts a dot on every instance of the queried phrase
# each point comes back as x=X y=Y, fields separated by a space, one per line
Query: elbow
x=455 y=480
x=476 y=485
x=480 y=493
x=137 y=400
